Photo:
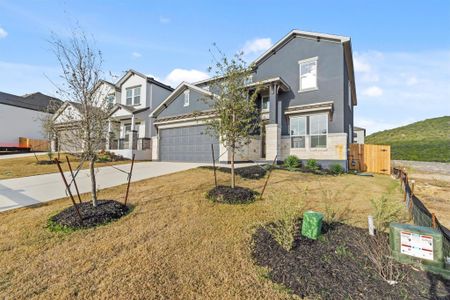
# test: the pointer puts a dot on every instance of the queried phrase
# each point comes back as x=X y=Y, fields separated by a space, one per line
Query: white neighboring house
x=130 y=128
x=359 y=135
x=20 y=116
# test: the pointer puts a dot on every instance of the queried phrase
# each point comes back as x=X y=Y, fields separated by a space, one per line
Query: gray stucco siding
x=284 y=64
x=196 y=103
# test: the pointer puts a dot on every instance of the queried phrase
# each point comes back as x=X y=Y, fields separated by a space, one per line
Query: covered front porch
x=127 y=133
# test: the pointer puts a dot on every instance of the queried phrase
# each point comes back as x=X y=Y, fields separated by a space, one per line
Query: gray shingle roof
x=35 y=101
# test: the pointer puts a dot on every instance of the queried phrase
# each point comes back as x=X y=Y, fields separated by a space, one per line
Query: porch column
x=109 y=136
x=273 y=141
x=273 y=104
x=133 y=134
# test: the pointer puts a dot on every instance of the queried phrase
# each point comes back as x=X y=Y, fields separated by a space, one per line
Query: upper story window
x=298 y=132
x=350 y=95
x=308 y=74
x=133 y=95
x=110 y=99
x=318 y=127
x=265 y=103
x=186 y=98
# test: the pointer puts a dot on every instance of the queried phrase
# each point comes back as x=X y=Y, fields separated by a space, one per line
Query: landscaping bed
x=105 y=212
x=334 y=267
x=250 y=172
x=226 y=194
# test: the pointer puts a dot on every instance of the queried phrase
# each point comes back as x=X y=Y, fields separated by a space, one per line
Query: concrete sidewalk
x=20 y=192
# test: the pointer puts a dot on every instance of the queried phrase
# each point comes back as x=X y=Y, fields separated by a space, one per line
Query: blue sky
x=401 y=48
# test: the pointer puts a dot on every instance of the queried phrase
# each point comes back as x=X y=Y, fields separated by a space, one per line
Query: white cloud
x=177 y=76
x=410 y=86
x=3 y=33
x=253 y=48
x=164 y=20
x=373 y=91
x=136 y=54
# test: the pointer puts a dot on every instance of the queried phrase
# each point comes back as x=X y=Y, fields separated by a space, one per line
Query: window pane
x=298 y=126
x=318 y=141
x=308 y=75
x=318 y=124
x=265 y=103
x=137 y=100
x=137 y=91
x=129 y=93
x=298 y=142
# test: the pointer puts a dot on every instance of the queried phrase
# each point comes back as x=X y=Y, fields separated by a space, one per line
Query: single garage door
x=187 y=144
x=68 y=141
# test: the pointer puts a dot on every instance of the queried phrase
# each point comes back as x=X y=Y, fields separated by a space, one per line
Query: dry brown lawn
x=27 y=166
x=174 y=244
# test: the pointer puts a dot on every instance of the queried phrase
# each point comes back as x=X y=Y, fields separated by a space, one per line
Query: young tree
x=85 y=125
x=236 y=115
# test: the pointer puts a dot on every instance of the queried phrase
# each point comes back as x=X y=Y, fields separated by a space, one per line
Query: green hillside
x=427 y=140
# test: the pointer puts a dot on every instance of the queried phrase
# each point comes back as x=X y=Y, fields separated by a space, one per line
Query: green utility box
x=312 y=224
x=421 y=246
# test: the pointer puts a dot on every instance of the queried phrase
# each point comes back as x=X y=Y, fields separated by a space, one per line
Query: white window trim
x=308 y=60
x=133 y=95
x=306 y=131
x=186 y=97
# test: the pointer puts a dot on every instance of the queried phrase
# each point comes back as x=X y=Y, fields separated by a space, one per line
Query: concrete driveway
x=20 y=192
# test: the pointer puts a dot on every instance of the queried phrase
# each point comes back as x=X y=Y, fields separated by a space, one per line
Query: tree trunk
x=233 y=179
x=93 y=182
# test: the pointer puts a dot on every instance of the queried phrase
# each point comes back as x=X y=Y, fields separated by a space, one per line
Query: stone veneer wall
x=155 y=148
x=273 y=141
x=336 y=148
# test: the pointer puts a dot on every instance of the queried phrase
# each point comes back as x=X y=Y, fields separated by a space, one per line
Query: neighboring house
x=131 y=101
x=21 y=116
x=359 y=135
x=306 y=106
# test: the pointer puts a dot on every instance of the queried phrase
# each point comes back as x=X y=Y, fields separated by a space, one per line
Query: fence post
x=413 y=182
x=433 y=220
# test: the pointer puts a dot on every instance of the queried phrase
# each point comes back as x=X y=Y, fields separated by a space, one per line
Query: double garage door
x=187 y=144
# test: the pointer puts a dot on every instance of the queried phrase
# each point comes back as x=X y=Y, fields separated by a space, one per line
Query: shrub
x=292 y=162
x=311 y=164
x=336 y=169
x=385 y=212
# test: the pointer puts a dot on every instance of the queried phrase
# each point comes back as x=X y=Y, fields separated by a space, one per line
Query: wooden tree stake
x=214 y=164
x=73 y=178
x=267 y=179
x=129 y=179
x=68 y=189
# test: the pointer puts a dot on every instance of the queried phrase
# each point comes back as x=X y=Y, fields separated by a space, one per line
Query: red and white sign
x=416 y=245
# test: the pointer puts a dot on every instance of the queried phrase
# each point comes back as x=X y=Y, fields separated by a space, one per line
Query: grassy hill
x=427 y=140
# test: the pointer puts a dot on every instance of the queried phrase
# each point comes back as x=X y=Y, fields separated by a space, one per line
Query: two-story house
x=307 y=105
x=130 y=100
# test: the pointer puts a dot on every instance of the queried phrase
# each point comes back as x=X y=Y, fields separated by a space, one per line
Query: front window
x=186 y=98
x=298 y=132
x=318 y=127
x=127 y=130
x=265 y=103
x=308 y=74
x=133 y=96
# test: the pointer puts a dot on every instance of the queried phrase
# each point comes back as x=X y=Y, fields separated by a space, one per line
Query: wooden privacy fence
x=34 y=144
x=370 y=158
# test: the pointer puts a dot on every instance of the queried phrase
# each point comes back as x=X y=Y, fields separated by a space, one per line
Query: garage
x=68 y=141
x=187 y=144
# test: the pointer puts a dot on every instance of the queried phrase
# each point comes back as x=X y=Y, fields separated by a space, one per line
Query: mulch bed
x=106 y=211
x=226 y=194
x=333 y=268
x=46 y=162
x=251 y=172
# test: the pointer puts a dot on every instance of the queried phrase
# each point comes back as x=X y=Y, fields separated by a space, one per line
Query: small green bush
x=336 y=169
x=311 y=164
x=292 y=162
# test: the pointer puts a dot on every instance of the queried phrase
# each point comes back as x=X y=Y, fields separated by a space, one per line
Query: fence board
x=34 y=144
x=370 y=158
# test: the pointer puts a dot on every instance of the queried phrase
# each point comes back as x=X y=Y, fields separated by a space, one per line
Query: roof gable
x=177 y=92
x=132 y=72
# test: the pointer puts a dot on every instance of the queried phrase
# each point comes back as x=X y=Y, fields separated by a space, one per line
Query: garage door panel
x=189 y=144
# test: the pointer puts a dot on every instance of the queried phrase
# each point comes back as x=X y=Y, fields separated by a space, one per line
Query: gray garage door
x=188 y=144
